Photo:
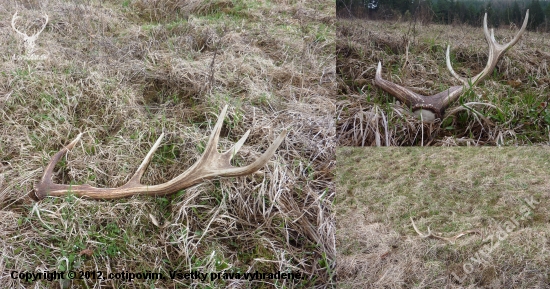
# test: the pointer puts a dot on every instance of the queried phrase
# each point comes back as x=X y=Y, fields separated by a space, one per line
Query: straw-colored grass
x=123 y=72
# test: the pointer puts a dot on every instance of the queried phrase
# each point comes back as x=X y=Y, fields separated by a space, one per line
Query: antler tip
x=73 y=143
x=379 y=70
x=525 y=20
x=224 y=110
x=283 y=134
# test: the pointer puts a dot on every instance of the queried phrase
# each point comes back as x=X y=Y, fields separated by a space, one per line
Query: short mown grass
x=449 y=191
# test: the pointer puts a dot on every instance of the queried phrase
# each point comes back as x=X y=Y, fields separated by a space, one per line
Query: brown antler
x=432 y=107
x=211 y=164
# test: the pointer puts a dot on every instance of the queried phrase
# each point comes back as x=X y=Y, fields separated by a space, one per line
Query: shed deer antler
x=28 y=40
x=211 y=164
x=432 y=107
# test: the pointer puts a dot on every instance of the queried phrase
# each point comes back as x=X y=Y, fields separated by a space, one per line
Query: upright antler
x=432 y=107
x=28 y=40
x=211 y=164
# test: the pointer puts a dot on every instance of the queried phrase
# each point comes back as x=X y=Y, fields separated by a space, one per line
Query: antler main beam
x=432 y=107
x=211 y=164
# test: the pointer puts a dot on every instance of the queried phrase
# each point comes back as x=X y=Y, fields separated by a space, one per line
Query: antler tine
x=134 y=180
x=213 y=163
x=210 y=164
x=55 y=159
x=495 y=52
x=418 y=231
x=259 y=162
x=13 y=25
x=46 y=181
x=512 y=42
x=212 y=144
x=450 y=67
x=405 y=95
x=43 y=26
x=237 y=146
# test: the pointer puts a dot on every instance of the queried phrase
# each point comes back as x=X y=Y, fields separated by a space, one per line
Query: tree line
x=499 y=12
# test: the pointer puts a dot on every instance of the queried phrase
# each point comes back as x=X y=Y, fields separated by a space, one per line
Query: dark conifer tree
x=536 y=15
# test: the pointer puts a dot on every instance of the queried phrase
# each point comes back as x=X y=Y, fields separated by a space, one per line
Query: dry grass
x=448 y=190
x=122 y=73
x=517 y=91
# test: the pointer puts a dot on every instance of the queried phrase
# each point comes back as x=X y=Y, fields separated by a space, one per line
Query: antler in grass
x=450 y=240
x=432 y=107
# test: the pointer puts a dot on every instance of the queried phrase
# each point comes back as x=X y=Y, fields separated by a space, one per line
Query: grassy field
x=509 y=107
x=122 y=73
x=501 y=195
